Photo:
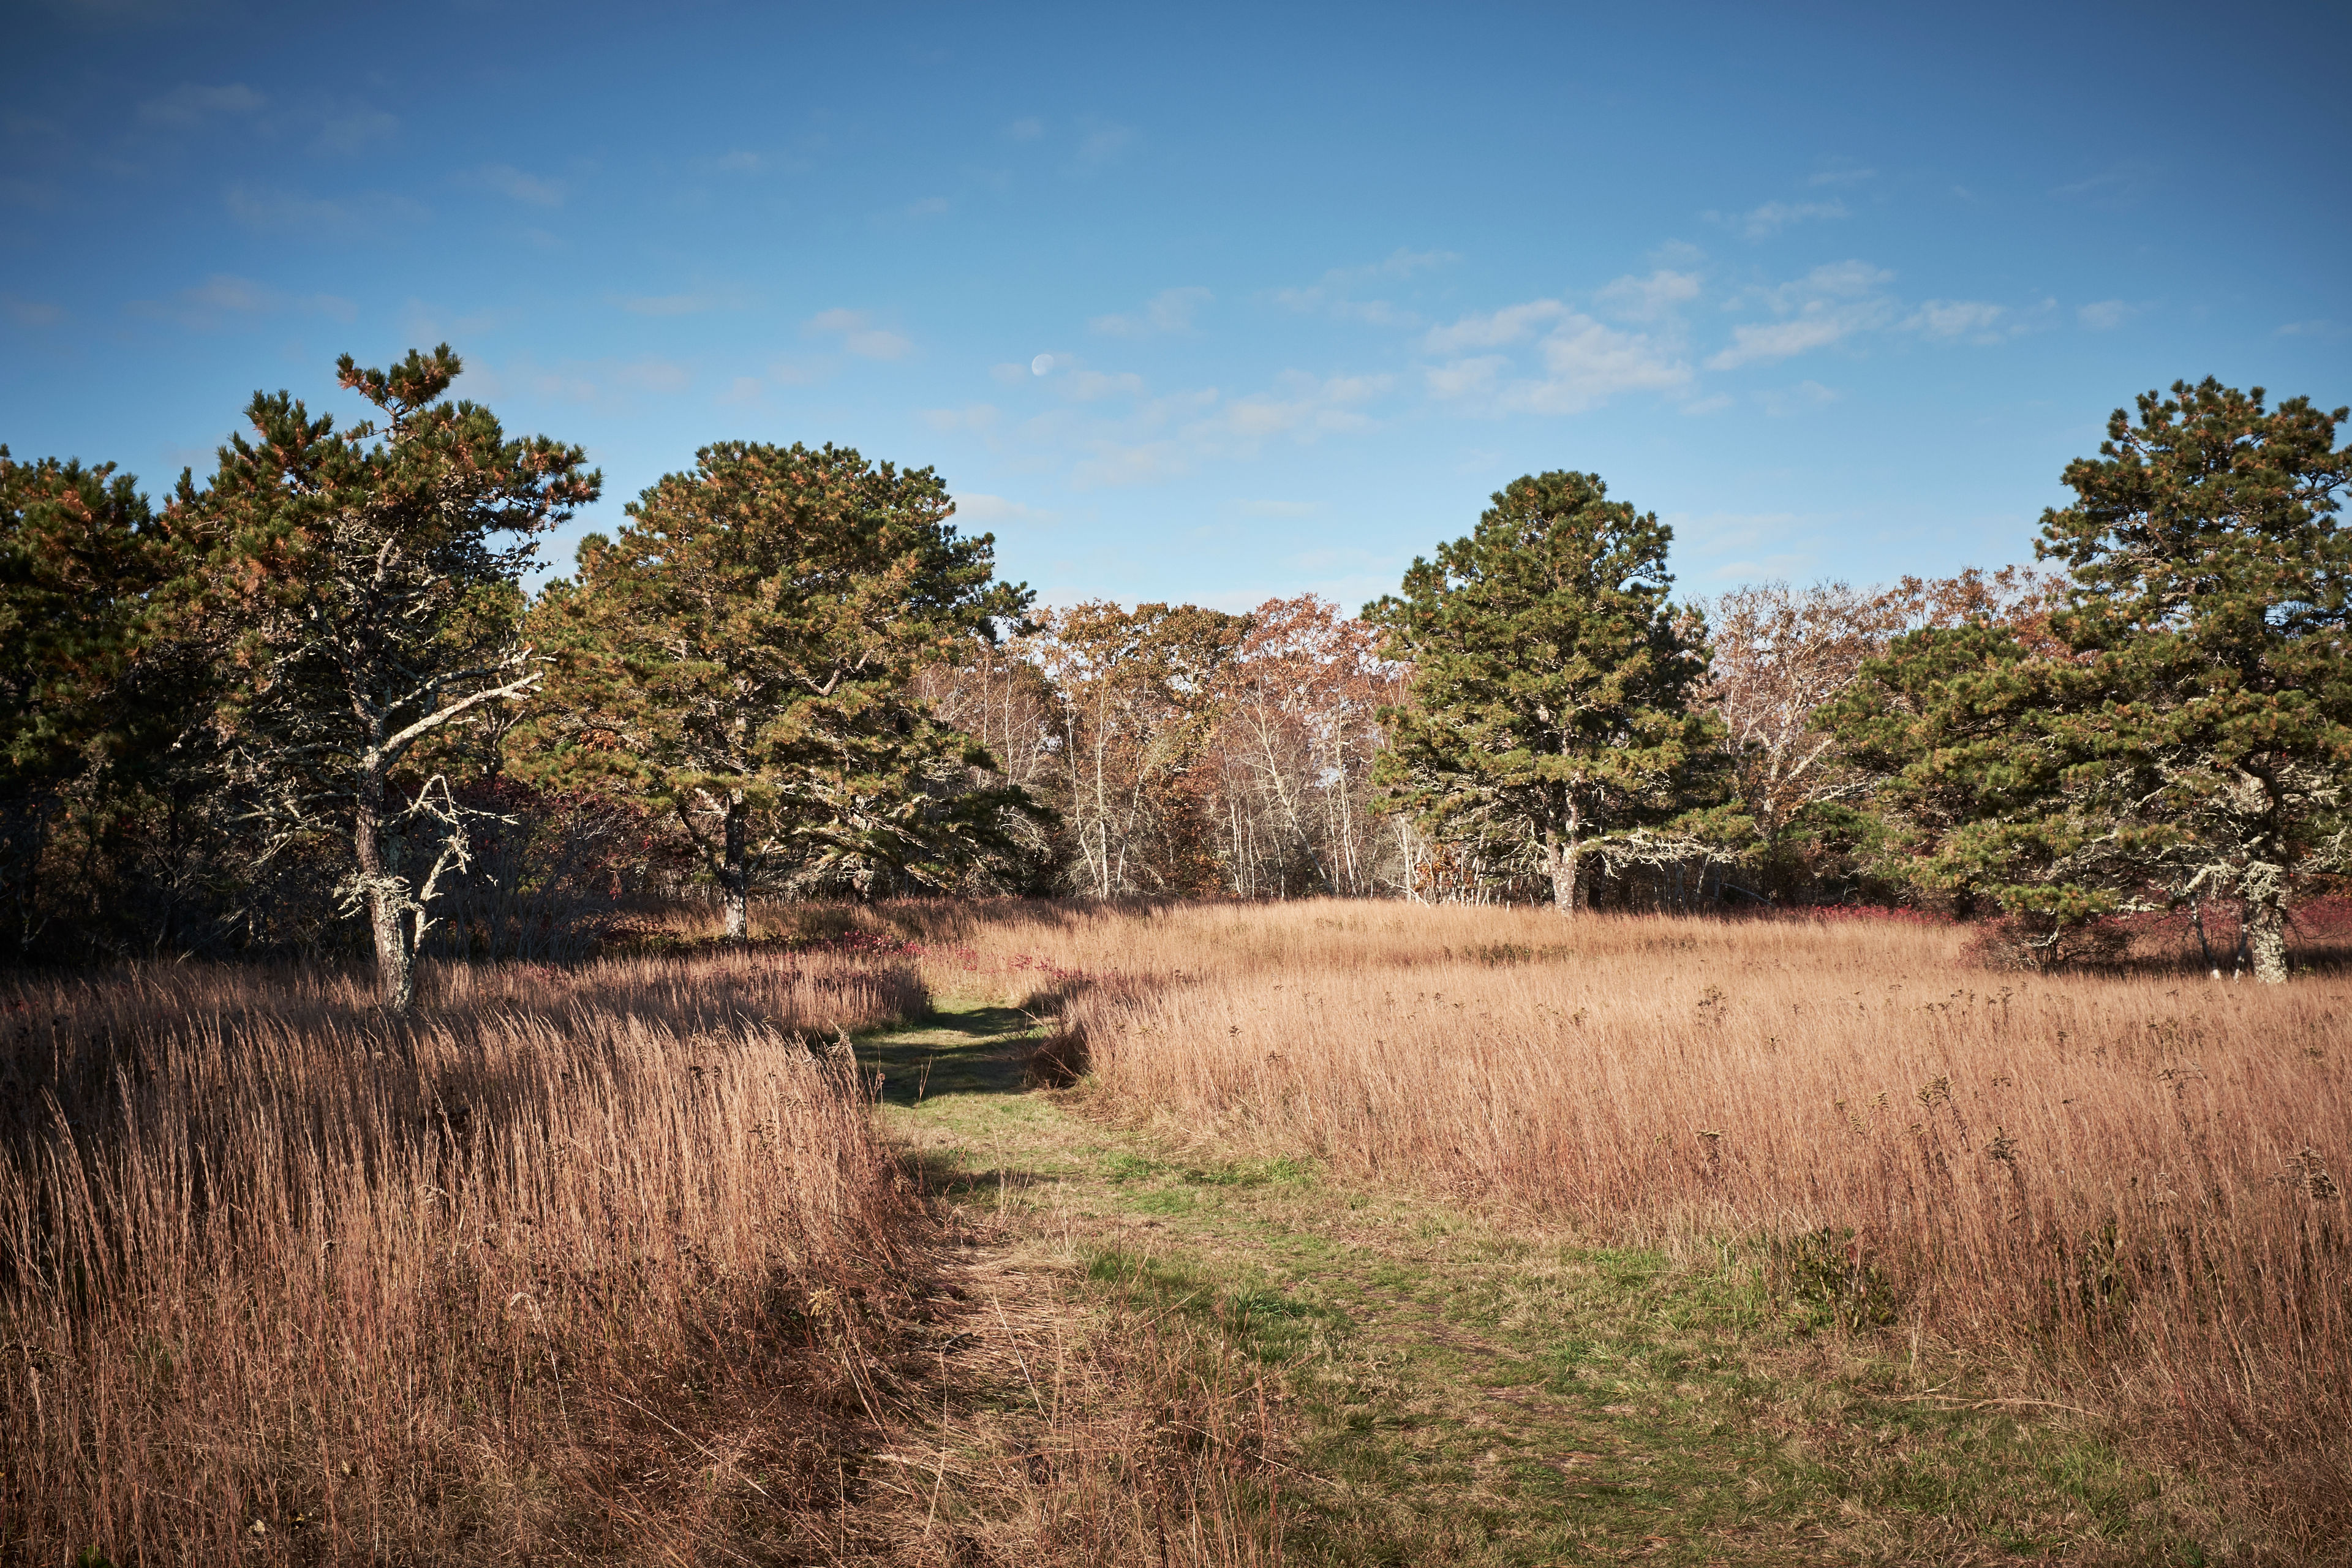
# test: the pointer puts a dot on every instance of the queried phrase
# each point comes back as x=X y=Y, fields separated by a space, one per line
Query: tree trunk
x=396 y=954
x=2267 y=938
x=1559 y=859
x=20 y=863
x=734 y=874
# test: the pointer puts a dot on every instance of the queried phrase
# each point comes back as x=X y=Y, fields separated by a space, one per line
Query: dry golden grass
x=2130 y=1188
x=580 y=1263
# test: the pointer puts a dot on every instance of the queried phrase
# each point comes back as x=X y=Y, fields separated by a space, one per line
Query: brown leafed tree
x=2017 y=598
x=1136 y=697
x=1780 y=653
x=1298 y=732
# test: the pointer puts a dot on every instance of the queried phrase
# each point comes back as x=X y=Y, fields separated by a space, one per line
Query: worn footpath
x=1156 y=1351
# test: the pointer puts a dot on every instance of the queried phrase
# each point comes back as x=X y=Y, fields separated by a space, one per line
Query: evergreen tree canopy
x=80 y=553
x=741 y=656
x=2190 y=736
x=79 y=550
x=344 y=580
x=1553 y=680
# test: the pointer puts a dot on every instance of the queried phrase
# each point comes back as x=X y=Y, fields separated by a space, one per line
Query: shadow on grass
x=947 y=1173
x=978 y=1050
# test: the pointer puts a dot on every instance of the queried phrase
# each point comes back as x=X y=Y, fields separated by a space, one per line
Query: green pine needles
x=1553 y=682
x=739 y=658
x=2187 y=734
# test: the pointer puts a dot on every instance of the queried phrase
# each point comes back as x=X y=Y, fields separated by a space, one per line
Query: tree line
x=309 y=707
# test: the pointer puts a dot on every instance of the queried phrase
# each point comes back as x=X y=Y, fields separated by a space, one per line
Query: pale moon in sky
x=1041 y=364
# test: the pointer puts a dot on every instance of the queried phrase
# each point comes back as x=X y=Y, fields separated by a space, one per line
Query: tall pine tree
x=344 y=580
x=80 y=553
x=2190 y=736
x=1552 y=685
x=741 y=658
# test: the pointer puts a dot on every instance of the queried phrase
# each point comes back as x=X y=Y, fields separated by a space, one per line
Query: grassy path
x=1453 y=1387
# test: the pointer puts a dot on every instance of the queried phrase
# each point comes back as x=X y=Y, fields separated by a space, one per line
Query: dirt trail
x=1449 y=1387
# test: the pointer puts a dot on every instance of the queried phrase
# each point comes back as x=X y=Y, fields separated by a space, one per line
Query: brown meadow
x=571 y=1262
x=2126 y=1191
x=612 y=1261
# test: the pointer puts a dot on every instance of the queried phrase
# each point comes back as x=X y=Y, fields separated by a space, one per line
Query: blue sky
x=1204 y=302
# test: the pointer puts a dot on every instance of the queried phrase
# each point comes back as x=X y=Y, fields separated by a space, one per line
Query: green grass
x=1463 y=1389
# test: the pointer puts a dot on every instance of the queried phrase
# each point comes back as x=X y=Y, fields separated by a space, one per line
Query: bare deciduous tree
x=1779 y=654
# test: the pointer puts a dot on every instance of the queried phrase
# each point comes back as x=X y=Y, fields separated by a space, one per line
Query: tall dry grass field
x=2132 y=1186
x=572 y=1264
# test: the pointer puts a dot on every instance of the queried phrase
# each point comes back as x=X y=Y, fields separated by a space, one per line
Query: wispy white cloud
x=1827 y=305
x=1336 y=292
x=1028 y=128
x=975 y=417
x=1102 y=143
x=1976 y=320
x=1586 y=364
x=614 y=386
x=1743 y=547
x=2106 y=315
x=1113 y=463
x=859 y=334
x=354 y=131
x=1754 y=343
x=1084 y=385
x=1069 y=377
x=32 y=312
x=224 y=298
x=1465 y=379
x=191 y=105
x=2317 y=327
x=739 y=162
x=366 y=214
x=1494 y=329
x=1760 y=223
x=991 y=510
x=422 y=321
x=653 y=376
x=1831 y=280
x=1302 y=406
x=1648 y=298
x=1583 y=363
x=2121 y=184
x=1842 y=172
x=1109 y=430
x=516 y=185
x=1170 y=311
x=1781 y=402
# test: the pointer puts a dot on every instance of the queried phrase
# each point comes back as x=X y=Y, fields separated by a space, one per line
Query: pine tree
x=344 y=580
x=1552 y=688
x=80 y=552
x=2189 y=735
x=741 y=658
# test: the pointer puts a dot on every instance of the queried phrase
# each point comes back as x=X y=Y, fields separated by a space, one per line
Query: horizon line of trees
x=310 y=698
